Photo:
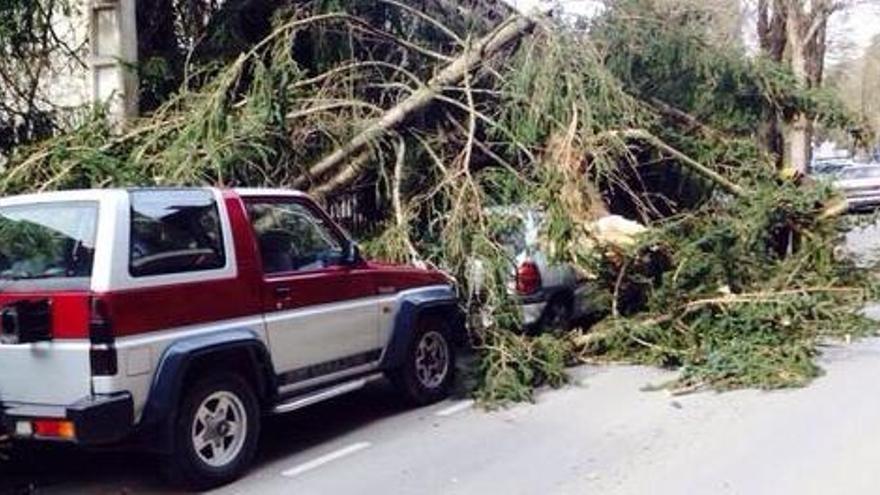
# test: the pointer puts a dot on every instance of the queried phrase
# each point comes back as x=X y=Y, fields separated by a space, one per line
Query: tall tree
x=794 y=32
x=806 y=38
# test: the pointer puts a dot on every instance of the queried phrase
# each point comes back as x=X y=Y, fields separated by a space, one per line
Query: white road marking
x=455 y=408
x=324 y=459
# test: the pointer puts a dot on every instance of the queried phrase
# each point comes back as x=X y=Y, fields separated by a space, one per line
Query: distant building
x=107 y=32
x=113 y=55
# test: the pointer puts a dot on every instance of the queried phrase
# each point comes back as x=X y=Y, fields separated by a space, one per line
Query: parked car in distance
x=860 y=185
x=829 y=168
x=549 y=295
x=173 y=320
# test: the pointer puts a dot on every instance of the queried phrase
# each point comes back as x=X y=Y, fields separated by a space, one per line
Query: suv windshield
x=47 y=240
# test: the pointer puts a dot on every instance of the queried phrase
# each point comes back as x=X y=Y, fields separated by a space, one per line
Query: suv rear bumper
x=531 y=313
x=532 y=308
x=97 y=420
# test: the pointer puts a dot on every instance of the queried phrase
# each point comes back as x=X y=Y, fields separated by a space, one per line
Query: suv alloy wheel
x=216 y=432
x=428 y=369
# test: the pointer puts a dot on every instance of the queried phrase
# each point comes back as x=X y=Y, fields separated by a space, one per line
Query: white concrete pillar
x=113 y=49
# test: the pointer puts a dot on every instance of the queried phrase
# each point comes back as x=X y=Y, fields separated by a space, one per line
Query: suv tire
x=215 y=433
x=428 y=370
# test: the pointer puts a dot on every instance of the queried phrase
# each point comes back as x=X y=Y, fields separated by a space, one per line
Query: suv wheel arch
x=186 y=361
x=441 y=302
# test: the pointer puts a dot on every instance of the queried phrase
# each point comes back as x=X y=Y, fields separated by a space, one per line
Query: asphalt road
x=863 y=243
x=603 y=435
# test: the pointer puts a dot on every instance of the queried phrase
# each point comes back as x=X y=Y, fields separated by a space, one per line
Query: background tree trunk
x=806 y=26
x=798 y=139
x=772 y=38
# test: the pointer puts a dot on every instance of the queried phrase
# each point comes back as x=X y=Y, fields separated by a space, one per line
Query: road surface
x=605 y=435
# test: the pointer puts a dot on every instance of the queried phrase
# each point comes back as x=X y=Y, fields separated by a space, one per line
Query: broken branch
x=469 y=60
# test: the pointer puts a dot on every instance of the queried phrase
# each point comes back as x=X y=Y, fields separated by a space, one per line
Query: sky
x=856 y=26
x=859 y=24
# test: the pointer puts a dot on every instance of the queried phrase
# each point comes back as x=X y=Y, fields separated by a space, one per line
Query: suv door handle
x=282 y=292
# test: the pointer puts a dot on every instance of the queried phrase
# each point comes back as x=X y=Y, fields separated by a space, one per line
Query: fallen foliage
x=735 y=282
x=748 y=291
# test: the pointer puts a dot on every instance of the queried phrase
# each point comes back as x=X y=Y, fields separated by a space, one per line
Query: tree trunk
x=798 y=138
x=772 y=39
x=799 y=142
x=816 y=47
x=774 y=142
x=465 y=63
x=771 y=28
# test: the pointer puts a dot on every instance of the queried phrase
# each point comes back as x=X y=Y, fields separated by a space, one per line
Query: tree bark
x=771 y=28
x=772 y=39
x=798 y=136
x=469 y=60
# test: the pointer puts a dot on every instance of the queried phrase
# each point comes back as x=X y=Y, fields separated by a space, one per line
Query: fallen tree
x=473 y=57
x=736 y=284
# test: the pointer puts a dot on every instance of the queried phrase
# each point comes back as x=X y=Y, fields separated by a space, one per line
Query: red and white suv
x=173 y=319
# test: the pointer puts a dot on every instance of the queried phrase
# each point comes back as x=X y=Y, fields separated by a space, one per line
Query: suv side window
x=174 y=232
x=292 y=238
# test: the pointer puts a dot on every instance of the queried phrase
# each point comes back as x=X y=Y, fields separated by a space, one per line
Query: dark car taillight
x=102 y=354
x=528 y=278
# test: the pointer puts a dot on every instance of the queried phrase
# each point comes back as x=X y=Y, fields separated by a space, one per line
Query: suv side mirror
x=353 y=254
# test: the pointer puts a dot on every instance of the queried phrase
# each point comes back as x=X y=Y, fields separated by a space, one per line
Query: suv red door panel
x=323 y=318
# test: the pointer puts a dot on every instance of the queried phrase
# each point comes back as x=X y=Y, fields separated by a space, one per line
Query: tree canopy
x=442 y=109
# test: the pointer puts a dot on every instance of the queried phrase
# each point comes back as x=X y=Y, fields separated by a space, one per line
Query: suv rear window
x=47 y=240
x=174 y=232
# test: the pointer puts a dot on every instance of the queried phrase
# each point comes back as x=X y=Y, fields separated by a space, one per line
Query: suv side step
x=321 y=395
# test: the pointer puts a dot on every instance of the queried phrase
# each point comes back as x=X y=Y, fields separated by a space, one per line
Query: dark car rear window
x=48 y=240
x=174 y=231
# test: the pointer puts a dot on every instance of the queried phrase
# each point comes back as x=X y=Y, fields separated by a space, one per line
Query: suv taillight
x=100 y=330
x=102 y=354
x=528 y=278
